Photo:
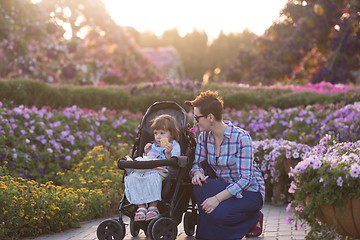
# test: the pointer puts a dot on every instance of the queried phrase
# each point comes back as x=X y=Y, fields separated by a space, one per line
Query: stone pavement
x=275 y=228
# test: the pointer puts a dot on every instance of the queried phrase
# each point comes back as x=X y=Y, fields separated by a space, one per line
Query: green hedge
x=140 y=97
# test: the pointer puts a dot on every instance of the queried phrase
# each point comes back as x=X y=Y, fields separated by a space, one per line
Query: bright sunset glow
x=187 y=15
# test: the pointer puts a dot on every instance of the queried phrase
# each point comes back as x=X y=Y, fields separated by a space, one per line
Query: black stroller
x=177 y=196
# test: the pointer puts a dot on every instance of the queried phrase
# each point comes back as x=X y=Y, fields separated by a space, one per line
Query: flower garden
x=74 y=86
x=67 y=158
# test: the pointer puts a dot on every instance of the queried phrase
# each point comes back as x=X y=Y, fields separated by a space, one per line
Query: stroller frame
x=177 y=195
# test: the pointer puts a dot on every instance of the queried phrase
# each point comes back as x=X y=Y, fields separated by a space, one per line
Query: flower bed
x=40 y=143
x=274 y=157
x=329 y=175
x=304 y=125
x=92 y=189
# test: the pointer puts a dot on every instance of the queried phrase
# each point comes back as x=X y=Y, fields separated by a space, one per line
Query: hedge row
x=140 y=97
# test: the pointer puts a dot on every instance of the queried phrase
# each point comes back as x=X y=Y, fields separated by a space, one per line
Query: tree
x=319 y=34
x=224 y=50
x=68 y=41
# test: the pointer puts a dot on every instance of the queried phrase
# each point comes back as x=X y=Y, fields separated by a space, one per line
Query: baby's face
x=159 y=134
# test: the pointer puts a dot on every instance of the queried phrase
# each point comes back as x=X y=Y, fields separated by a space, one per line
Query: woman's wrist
x=217 y=198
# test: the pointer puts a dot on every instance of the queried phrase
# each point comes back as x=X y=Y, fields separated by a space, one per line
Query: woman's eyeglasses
x=200 y=116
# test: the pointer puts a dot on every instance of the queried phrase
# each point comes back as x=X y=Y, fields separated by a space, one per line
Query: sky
x=212 y=16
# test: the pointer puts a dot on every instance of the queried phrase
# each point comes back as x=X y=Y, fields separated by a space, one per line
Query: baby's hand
x=168 y=148
x=147 y=148
x=164 y=170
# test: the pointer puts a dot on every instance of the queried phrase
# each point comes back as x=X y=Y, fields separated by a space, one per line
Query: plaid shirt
x=235 y=164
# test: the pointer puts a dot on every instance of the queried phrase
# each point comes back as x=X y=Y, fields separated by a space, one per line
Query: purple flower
x=64 y=133
x=57 y=124
x=288 y=208
x=49 y=132
x=102 y=118
x=355 y=170
x=26 y=116
x=339 y=181
x=295 y=154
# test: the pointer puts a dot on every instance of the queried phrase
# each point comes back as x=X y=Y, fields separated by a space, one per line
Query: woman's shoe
x=256 y=230
x=152 y=213
x=140 y=214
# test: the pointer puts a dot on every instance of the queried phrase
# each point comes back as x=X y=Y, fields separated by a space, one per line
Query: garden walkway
x=275 y=228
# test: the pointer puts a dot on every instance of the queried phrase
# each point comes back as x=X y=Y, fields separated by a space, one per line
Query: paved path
x=275 y=228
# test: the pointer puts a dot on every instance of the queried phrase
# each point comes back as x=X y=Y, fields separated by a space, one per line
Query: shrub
x=328 y=175
x=91 y=189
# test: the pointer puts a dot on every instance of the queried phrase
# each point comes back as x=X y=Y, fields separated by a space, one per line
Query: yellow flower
x=21 y=214
x=48 y=217
x=14 y=198
x=5 y=212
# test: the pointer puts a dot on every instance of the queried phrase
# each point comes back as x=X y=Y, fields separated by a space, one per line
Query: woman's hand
x=198 y=178
x=210 y=204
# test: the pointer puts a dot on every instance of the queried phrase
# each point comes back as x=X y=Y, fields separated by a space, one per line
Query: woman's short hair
x=209 y=102
x=168 y=123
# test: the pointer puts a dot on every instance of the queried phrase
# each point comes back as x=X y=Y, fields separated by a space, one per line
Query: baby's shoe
x=152 y=213
x=140 y=214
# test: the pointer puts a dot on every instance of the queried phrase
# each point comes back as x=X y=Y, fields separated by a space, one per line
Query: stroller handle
x=180 y=161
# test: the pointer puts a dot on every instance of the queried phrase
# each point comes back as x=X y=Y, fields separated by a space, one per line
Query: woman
x=229 y=205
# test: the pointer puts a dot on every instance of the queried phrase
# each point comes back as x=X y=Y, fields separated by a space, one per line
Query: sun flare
x=211 y=16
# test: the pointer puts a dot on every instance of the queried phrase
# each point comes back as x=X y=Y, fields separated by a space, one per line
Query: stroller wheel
x=164 y=228
x=189 y=224
x=134 y=229
x=149 y=228
x=111 y=229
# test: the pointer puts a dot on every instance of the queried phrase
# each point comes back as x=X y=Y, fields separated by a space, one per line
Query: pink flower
x=288 y=220
x=292 y=187
x=299 y=227
x=193 y=130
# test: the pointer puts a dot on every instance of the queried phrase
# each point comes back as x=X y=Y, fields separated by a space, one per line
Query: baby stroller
x=177 y=195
